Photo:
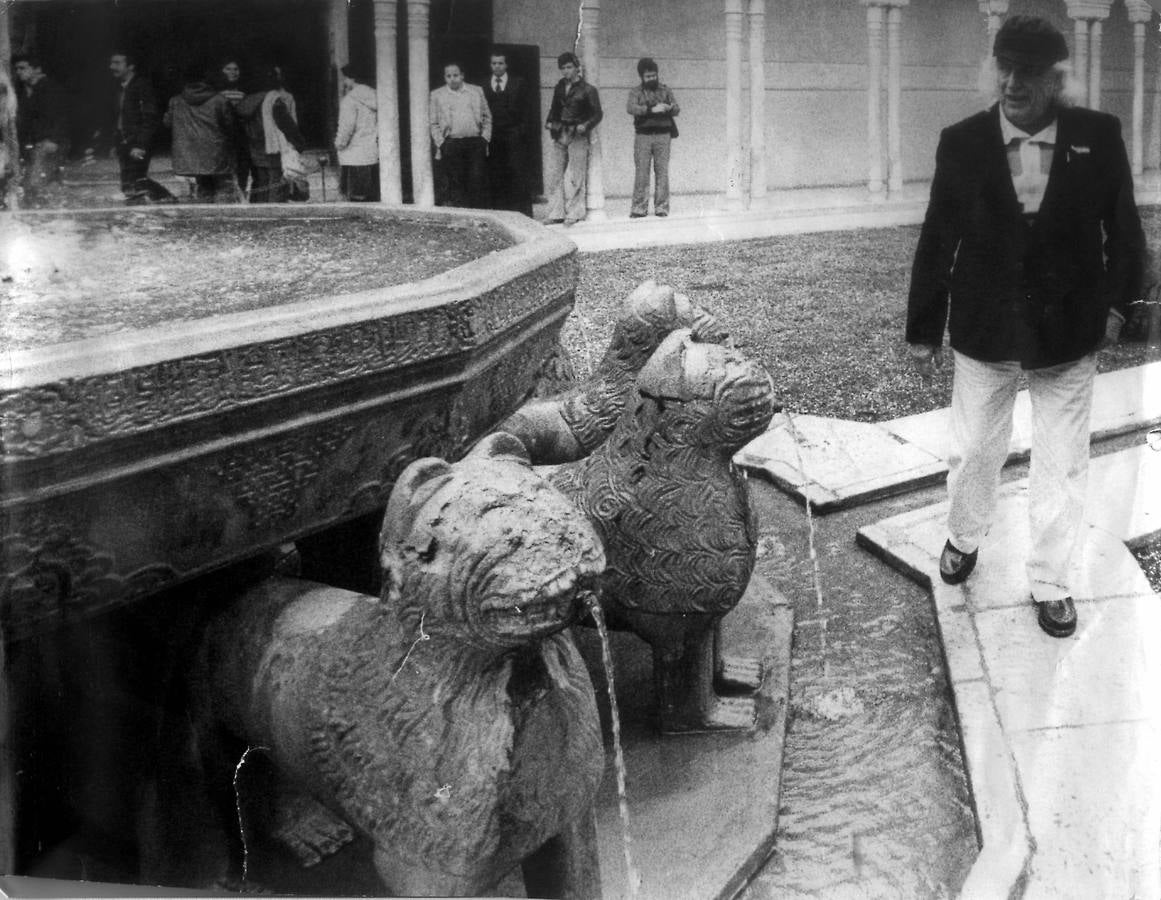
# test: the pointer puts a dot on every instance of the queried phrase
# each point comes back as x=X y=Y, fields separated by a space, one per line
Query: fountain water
x=632 y=876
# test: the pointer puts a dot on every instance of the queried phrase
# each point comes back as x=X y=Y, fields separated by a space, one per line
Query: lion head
x=736 y=393
x=487 y=550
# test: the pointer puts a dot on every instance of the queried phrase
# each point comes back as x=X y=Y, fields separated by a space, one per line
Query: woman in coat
x=357 y=140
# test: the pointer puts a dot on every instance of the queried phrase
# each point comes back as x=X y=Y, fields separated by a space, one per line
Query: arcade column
x=884 y=16
x=387 y=95
x=1141 y=15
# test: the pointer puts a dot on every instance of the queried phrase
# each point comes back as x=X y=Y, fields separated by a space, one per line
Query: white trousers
x=982 y=398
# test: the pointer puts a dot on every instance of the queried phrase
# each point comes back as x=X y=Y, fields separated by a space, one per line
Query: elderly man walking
x=1030 y=253
x=652 y=106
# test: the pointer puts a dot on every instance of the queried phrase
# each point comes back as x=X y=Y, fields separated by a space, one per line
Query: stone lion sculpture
x=674 y=517
x=451 y=721
x=572 y=424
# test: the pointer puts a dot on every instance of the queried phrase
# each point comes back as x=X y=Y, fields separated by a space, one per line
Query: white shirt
x=1029 y=161
x=503 y=82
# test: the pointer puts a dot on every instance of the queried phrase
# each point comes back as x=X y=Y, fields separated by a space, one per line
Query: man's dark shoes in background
x=955 y=566
x=1057 y=617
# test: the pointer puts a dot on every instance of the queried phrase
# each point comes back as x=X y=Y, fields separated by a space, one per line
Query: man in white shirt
x=1030 y=254
x=461 y=127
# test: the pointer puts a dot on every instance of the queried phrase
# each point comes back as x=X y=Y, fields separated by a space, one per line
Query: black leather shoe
x=636 y=215
x=955 y=566
x=1057 y=617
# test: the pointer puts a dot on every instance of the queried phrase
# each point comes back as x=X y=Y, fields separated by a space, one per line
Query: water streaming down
x=631 y=874
x=816 y=572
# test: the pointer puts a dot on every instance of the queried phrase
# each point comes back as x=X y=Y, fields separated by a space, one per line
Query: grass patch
x=824 y=313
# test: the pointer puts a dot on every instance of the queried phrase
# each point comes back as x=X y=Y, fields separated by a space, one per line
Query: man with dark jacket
x=575 y=112
x=203 y=124
x=42 y=124
x=509 y=102
x=136 y=119
x=1030 y=252
x=652 y=106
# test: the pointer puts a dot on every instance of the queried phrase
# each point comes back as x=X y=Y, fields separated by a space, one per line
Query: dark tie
x=499 y=89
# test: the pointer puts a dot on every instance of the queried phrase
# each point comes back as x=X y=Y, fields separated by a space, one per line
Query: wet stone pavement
x=874 y=799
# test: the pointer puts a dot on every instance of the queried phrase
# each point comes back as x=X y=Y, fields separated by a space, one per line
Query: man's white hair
x=1069 y=88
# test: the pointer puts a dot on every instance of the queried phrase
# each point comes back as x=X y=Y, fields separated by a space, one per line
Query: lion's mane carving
x=451 y=721
x=676 y=523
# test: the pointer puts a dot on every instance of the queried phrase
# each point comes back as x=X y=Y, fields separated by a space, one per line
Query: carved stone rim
x=533 y=247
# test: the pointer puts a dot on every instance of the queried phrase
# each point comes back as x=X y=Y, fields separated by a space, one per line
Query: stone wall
x=816 y=85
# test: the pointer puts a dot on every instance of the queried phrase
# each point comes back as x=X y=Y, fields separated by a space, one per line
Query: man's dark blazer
x=1035 y=289
x=509 y=107
x=140 y=116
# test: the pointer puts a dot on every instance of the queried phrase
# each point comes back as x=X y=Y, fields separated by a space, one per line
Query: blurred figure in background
x=357 y=139
x=42 y=126
x=228 y=81
x=135 y=122
x=203 y=126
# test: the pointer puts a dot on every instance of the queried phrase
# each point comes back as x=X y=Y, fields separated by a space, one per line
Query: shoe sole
x=1052 y=627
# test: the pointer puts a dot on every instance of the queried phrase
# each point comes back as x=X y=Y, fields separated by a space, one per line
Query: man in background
x=136 y=119
x=461 y=127
x=42 y=126
x=575 y=112
x=652 y=106
x=508 y=101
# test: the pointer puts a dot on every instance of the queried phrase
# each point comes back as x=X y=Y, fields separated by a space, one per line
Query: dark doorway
x=460 y=30
x=75 y=40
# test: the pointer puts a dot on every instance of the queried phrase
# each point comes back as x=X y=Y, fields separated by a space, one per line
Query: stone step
x=835 y=464
x=1060 y=737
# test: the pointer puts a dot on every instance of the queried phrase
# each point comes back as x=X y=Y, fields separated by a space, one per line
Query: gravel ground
x=824 y=313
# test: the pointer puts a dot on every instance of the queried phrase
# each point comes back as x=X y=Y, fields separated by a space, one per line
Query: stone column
x=339 y=45
x=1153 y=149
x=1094 y=65
x=1086 y=56
x=387 y=94
x=1140 y=14
x=418 y=27
x=734 y=24
x=1080 y=57
x=8 y=128
x=994 y=10
x=874 y=91
x=591 y=60
x=757 y=99
x=894 y=92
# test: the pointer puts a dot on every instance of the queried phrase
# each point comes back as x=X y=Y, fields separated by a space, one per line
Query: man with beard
x=652 y=106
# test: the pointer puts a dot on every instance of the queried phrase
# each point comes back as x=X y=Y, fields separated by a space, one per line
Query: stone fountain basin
x=148 y=441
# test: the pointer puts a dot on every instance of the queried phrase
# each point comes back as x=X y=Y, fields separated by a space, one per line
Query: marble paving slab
x=703 y=807
x=1061 y=737
x=835 y=464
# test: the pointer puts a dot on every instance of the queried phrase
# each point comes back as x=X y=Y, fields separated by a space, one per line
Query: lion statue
x=451 y=721
x=675 y=519
x=572 y=424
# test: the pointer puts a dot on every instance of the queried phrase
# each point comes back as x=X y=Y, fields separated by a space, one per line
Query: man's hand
x=49 y=146
x=925 y=359
x=137 y=153
x=1112 y=331
x=580 y=129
